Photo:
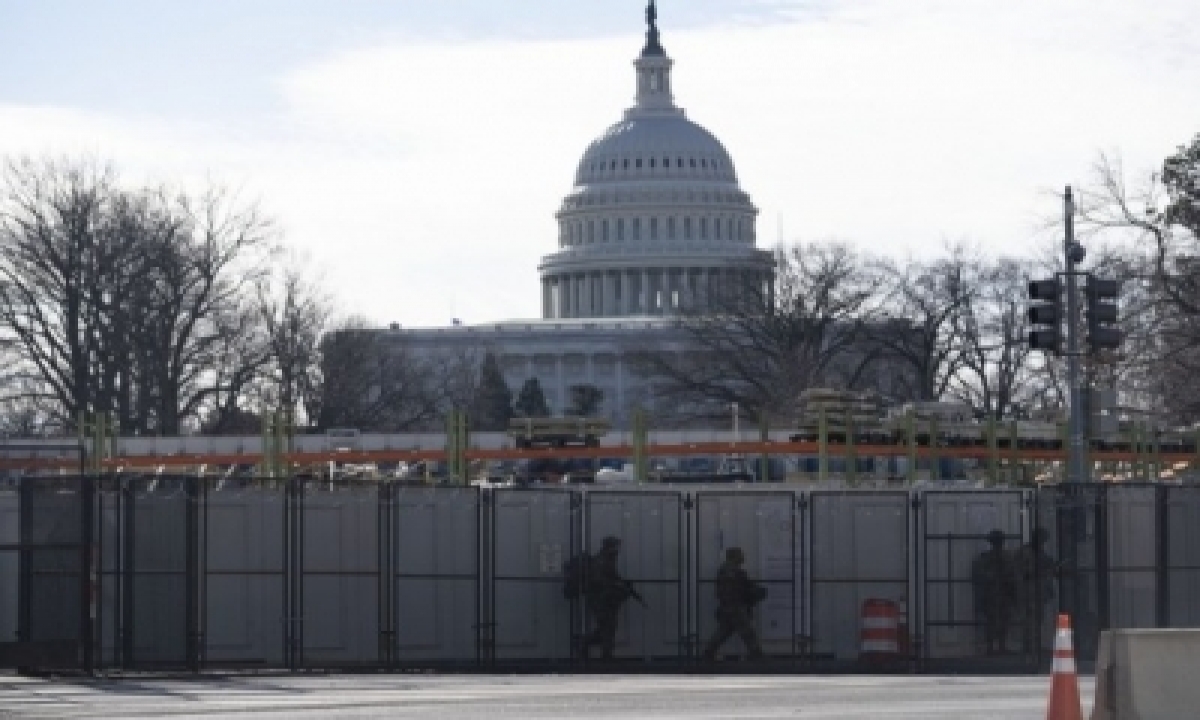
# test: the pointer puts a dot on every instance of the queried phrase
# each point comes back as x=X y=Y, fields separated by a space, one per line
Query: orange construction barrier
x=879 y=630
x=1064 y=681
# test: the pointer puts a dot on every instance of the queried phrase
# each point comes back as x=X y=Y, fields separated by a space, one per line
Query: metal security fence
x=170 y=573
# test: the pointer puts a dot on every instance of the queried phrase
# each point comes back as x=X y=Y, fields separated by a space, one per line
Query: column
x=563 y=304
x=644 y=294
x=546 y=300
x=627 y=296
x=585 y=287
x=609 y=294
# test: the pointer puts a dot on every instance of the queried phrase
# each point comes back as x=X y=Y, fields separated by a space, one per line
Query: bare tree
x=293 y=312
x=761 y=345
x=369 y=382
x=132 y=303
x=996 y=360
x=920 y=322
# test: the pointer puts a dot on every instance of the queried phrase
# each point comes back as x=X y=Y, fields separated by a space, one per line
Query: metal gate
x=975 y=612
x=769 y=528
x=339 y=575
x=651 y=525
x=533 y=532
x=860 y=543
x=435 y=553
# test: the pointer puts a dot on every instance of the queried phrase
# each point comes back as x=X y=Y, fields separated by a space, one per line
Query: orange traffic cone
x=1064 y=682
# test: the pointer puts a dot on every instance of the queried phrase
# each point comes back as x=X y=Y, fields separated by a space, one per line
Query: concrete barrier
x=1147 y=675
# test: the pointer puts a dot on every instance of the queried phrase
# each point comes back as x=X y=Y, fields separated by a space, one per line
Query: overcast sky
x=416 y=150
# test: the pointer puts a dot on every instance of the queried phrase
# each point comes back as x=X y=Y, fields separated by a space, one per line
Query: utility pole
x=1073 y=254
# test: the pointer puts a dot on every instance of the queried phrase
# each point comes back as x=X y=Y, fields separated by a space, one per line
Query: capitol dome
x=656 y=221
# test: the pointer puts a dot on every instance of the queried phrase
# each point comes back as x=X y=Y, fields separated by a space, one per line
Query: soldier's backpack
x=575 y=576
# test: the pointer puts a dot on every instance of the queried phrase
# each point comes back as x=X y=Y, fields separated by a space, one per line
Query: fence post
x=911 y=426
x=993 y=452
x=851 y=457
x=822 y=446
x=192 y=569
x=90 y=580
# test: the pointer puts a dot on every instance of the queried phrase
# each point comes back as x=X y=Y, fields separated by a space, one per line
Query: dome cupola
x=656 y=218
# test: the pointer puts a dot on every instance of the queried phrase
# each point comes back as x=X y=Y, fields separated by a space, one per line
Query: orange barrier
x=1064 y=681
x=879 y=630
x=607 y=451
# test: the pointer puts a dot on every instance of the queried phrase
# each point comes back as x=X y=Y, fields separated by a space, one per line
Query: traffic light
x=1045 y=314
x=1102 y=314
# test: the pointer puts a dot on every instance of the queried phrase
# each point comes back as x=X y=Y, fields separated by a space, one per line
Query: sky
x=414 y=152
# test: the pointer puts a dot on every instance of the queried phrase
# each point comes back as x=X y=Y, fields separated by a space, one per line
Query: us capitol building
x=655 y=222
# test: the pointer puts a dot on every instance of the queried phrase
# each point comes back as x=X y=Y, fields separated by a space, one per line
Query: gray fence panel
x=158 y=580
x=436 y=583
x=340 y=576
x=10 y=535
x=110 y=543
x=650 y=526
x=243 y=577
x=860 y=549
x=53 y=547
x=954 y=528
x=533 y=534
x=1183 y=557
x=769 y=530
x=1132 y=514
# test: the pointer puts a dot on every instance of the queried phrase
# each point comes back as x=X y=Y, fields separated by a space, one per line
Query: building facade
x=655 y=222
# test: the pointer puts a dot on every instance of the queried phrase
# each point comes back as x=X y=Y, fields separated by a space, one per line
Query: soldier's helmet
x=734 y=555
x=611 y=543
x=996 y=538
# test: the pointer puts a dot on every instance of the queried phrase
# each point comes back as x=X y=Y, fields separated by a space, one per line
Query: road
x=565 y=696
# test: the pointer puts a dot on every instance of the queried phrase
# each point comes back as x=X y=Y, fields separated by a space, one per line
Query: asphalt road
x=561 y=696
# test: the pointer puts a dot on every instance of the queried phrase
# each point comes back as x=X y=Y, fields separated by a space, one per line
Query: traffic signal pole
x=1073 y=255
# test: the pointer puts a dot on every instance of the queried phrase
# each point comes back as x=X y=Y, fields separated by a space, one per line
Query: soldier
x=737 y=595
x=992 y=581
x=605 y=591
x=1034 y=575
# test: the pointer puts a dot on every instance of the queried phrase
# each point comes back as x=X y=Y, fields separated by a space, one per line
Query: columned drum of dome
x=656 y=219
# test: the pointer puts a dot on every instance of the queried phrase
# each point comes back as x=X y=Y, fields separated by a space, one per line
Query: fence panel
x=534 y=531
x=339 y=576
x=860 y=544
x=157 y=577
x=960 y=592
x=242 y=574
x=1131 y=514
x=1182 y=557
x=1074 y=517
x=768 y=528
x=54 y=614
x=650 y=525
x=111 y=628
x=436 y=555
x=10 y=562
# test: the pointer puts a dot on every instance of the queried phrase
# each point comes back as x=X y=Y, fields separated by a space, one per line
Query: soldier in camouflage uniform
x=605 y=591
x=993 y=583
x=1035 y=574
x=736 y=597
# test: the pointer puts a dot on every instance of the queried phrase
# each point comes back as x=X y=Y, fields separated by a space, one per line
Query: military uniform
x=1034 y=577
x=992 y=579
x=736 y=595
x=605 y=591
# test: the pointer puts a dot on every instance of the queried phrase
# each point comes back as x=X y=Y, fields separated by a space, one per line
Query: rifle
x=633 y=593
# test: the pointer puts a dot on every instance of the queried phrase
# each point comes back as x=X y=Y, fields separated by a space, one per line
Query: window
x=687 y=228
x=638 y=163
x=626 y=163
x=637 y=229
x=678 y=162
x=621 y=230
x=653 y=228
x=717 y=228
x=614 y=166
x=703 y=228
x=693 y=162
x=591 y=236
x=604 y=231
x=729 y=229
x=670 y=228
